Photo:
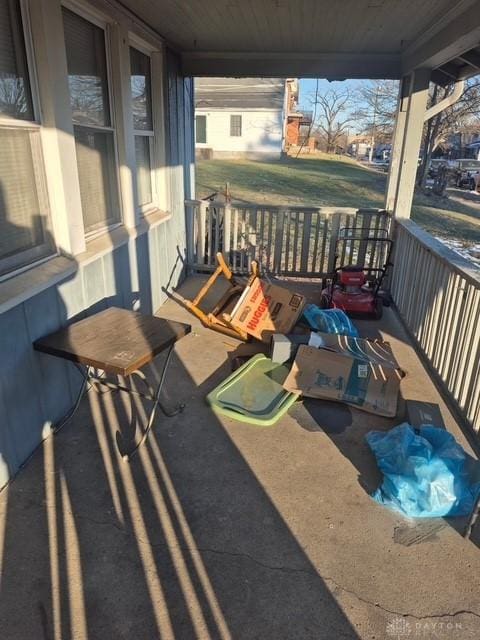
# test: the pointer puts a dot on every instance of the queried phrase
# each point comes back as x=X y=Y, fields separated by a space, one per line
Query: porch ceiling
x=347 y=38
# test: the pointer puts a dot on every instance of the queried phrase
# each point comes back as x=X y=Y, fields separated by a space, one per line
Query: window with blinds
x=24 y=211
x=94 y=134
x=141 y=92
x=201 y=129
x=236 y=126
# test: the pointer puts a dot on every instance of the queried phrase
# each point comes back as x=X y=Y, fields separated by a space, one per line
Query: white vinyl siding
x=261 y=131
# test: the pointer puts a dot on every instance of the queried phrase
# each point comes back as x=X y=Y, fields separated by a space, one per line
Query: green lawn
x=323 y=180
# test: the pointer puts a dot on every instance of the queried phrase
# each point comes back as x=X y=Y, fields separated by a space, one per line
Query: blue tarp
x=424 y=472
x=329 y=321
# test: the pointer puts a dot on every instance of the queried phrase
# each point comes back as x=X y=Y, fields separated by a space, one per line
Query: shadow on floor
x=181 y=543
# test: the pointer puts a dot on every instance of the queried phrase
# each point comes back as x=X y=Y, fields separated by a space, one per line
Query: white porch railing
x=437 y=294
x=287 y=241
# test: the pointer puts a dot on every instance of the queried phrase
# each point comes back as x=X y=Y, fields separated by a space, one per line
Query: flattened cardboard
x=265 y=309
x=358 y=372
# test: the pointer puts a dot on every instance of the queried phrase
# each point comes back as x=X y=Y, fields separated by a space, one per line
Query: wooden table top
x=116 y=340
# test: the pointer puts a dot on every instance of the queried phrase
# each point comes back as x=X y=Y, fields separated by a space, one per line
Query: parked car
x=463 y=172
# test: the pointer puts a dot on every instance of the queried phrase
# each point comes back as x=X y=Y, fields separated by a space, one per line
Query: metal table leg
x=152 y=395
x=86 y=376
x=90 y=376
x=156 y=403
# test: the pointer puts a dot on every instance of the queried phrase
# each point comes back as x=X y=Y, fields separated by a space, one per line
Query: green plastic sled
x=254 y=393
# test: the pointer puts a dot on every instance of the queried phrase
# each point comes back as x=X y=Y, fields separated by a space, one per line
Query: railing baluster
x=279 y=228
x=286 y=264
x=235 y=254
x=202 y=218
x=463 y=350
x=215 y=241
x=315 y=243
x=252 y=222
x=324 y=263
x=334 y=228
x=269 y=265
x=296 y=218
x=227 y=218
x=243 y=233
x=261 y=241
x=472 y=342
x=437 y=294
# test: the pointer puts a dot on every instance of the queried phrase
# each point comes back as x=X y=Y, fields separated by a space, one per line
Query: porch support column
x=406 y=147
x=397 y=145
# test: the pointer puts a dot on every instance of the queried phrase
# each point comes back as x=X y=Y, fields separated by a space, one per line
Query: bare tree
x=462 y=115
x=333 y=117
x=13 y=100
x=375 y=113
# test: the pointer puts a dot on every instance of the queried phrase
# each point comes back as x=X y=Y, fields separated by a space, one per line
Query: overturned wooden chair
x=218 y=318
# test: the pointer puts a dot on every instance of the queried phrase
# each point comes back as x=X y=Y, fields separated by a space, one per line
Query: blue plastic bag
x=329 y=321
x=424 y=472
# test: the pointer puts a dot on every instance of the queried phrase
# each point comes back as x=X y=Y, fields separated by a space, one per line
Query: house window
x=201 y=129
x=141 y=91
x=236 y=126
x=92 y=120
x=24 y=211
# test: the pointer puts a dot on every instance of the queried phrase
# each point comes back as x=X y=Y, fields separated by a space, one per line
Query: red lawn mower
x=353 y=288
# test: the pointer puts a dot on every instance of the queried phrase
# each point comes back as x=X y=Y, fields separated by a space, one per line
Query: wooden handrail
x=275 y=207
x=456 y=262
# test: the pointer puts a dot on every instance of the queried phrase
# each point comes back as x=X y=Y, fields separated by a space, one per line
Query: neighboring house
x=240 y=117
x=464 y=143
x=298 y=122
x=359 y=146
x=298 y=131
x=299 y=126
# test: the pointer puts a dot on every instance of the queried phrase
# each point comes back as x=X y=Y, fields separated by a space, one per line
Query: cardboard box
x=361 y=373
x=264 y=309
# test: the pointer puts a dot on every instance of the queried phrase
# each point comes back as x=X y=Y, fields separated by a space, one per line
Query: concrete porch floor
x=219 y=529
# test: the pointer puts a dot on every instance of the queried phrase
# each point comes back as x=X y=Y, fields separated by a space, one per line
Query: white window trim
x=34 y=255
x=88 y=12
x=32 y=74
x=143 y=210
x=142 y=45
x=103 y=21
x=162 y=178
x=31 y=63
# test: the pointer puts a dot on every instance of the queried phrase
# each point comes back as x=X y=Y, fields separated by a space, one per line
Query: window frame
x=236 y=135
x=28 y=258
x=144 y=209
x=101 y=21
x=201 y=115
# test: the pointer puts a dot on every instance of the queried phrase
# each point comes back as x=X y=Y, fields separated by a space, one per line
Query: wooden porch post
x=397 y=145
x=408 y=137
